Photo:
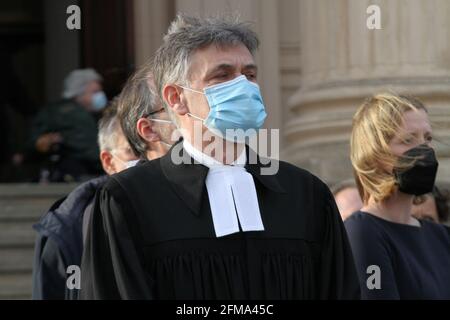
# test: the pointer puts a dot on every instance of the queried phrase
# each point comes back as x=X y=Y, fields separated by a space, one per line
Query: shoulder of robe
x=309 y=196
x=144 y=175
x=301 y=179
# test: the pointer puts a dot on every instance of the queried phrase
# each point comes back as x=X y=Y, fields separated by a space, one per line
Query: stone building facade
x=319 y=60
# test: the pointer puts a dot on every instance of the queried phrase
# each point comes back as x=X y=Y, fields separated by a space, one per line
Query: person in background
x=397 y=256
x=59 y=242
x=432 y=206
x=347 y=198
x=116 y=153
x=65 y=133
x=144 y=121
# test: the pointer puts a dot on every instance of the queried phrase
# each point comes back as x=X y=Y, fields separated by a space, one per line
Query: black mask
x=419 y=179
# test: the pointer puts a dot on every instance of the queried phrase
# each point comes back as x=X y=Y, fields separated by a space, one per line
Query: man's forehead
x=214 y=56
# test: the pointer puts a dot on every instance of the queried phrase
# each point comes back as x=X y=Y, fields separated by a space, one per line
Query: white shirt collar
x=208 y=161
x=232 y=194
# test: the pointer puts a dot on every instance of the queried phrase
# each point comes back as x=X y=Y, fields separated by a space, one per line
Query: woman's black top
x=399 y=261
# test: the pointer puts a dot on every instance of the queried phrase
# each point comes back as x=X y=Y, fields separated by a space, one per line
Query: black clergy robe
x=151 y=236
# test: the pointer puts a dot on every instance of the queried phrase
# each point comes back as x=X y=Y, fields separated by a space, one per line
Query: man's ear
x=174 y=99
x=144 y=128
x=107 y=163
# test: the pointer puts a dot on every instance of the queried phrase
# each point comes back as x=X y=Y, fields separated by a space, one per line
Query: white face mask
x=127 y=164
x=131 y=163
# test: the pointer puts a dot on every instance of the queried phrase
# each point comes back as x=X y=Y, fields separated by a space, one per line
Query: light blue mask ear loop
x=163 y=121
x=196 y=91
x=160 y=120
x=168 y=145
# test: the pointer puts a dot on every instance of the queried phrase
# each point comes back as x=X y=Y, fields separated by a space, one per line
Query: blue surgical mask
x=99 y=101
x=235 y=104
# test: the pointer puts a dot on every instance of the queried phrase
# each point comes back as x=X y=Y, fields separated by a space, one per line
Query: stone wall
x=318 y=61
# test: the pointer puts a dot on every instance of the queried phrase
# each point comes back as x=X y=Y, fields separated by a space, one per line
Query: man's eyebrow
x=220 y=67
x=251 y=66
x=226 y=66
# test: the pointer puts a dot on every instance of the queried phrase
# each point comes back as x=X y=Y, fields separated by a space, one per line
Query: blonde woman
x=396 y=255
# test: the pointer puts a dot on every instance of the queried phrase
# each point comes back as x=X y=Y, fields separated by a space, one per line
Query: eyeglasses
x=154 y=112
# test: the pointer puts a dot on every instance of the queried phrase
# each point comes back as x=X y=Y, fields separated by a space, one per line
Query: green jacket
x=77 y=126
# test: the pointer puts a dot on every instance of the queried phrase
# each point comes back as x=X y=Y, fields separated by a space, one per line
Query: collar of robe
x=188 y=178
x=232 y=194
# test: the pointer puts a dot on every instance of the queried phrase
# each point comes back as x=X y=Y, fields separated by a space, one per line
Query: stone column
x=342 y=62
x=151 y=20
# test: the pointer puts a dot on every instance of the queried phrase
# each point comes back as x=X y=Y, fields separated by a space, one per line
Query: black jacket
x=59 y=242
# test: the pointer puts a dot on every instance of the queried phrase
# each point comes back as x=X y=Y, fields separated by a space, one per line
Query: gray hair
x=186 y=35
x=76 y=81
x=108 y=128
x=137 y=100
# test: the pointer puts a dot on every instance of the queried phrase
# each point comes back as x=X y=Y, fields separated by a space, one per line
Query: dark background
x=37 y=51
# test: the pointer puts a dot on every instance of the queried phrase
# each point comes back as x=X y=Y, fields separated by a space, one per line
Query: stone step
x=33 y=190
x=16 y=260
x=17 y=234
x=23 y=209
x=15 y=285
x=22 y=205
x=28 y=202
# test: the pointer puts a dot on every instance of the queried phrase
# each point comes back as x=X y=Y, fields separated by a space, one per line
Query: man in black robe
x=201 y=224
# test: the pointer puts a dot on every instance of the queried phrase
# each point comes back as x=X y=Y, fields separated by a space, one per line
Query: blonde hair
x=375 y=124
